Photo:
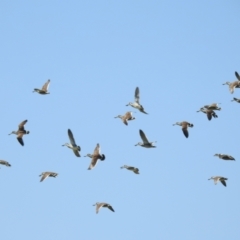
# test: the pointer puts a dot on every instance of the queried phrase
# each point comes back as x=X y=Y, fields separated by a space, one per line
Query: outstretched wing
x=98 y=206
x=72 y=140
x=46 y=85
x=237 y=75
x=76 y=153
x=143 y=136
x=125 y=121
x=19 y=138
x=185 y=132
x=110 y=208
x=96 y=151
x=230 y=157
x=21 y=125
x=209 y=115
x=93 y=162
x=95 y=156
x=44 y=176
x=223 y=182
x=137 y=95
x=185 y=128
x=142 y=110
x=130 y=168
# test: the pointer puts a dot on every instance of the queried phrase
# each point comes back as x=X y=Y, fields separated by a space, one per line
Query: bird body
x=224 y=156
x=45 y=175
x=145 y=142
x=184 y=126
x=126 y=117
x=209 y=112
x=3 y=162
x=20 y=132
x=219 y=178
x=233 y=85
x=95 y=156
x=76 y=149
x=137 y=104
x=102 y=204
x=133 y=169
x=44 y=89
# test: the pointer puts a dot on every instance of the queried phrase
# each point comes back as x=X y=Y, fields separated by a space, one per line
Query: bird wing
x=46 y=85
x=53 y=174
x=237 y=75
x=110 y=208
x=130 y=168
x=213 y=105
x=98 y=206
x=185 y=128
x=209 y=115
x=143 y=136
x=96 y=151
x=76 y=153
x=232 y=86
x=21 y=125
x=230 y=157
x=93 y=162
x=223 y=182
x=216 y=180
x=72 y=140
x=185 y=132
x=44 y=176
x=142 y=110
x=19 y=138
x=214 y=114
x=137 y=97
x=125 y=121
x=95 y=156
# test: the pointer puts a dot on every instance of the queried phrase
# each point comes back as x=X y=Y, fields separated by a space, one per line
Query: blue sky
x=96 y=53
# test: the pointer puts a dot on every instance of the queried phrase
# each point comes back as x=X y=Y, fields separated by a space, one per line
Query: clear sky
x=96 y=53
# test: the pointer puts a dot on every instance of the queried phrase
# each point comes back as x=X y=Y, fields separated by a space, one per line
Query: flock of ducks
x=209 y=110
